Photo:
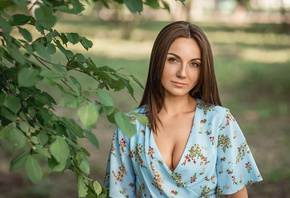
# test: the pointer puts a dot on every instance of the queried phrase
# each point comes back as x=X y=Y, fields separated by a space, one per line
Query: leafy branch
x=27 y=113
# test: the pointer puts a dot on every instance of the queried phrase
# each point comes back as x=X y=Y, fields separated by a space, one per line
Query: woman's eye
x=195 y=64
x=172 y=60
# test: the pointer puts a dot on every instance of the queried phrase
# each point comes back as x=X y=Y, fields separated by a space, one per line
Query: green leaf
x=4 y=4
x=152 y=3
x=59 y=149
x=97 y=187
x=34 y=140
x=31 y=111
x=19 y=19
x=43 y=151
x=7 y=114
x=41 y=50
x=25 y=33
x=137 y=81
x=51 y=48
x=13 y=103
x=143 y=120
x=85 y=166
x=16 y=137
x=45 y=17
x=124 y=123
x=92 y=66
x=45 y=114
x=69 y=55
x=85 y=152
x=73 y=38
x=29 y=48
x=23 y=126
x=39 y=27
x=4 y=134
x=82 y=188
x=86 y=43
x=18 y=162
x=76 y=82
x=69 y=100
x=70 y=142
x=87 y=115
x=50 y=74
x=33 y=170
x=43 y=137
x=55 y=166
x=92 y=138
x=47 y=2
x=166 y=6
x=105 y=98
x=79 y=157
x=129 y=87
x=134 y=5
x=72 y=125
x=64 y=8
x=27 y=77
x=2 y=98
x=63 y=38
x=59 y=68
x=2 y=51
x=6 y=27
x=80 y=58
x=78 y=7
x=15 y=53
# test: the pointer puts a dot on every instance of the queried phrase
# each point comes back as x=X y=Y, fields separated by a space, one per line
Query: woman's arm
x=240 y=194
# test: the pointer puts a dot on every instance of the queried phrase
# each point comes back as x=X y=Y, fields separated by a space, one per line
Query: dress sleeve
x=236 y=166
x=120 y=176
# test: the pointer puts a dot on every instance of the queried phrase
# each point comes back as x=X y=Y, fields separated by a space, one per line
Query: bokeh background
x=251 y=46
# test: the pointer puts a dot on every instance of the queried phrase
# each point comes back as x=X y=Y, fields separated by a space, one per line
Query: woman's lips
x=179 y=84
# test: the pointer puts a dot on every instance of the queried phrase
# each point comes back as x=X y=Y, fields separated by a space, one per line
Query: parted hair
x=206 y=88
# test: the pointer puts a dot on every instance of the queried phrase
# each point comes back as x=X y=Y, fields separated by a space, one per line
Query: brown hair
x=206 y=88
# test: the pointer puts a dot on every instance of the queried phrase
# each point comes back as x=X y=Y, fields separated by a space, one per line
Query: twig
x=38 y=58
x=66 y=84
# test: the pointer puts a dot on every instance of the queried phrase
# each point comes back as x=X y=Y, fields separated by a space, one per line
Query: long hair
x=206 y=88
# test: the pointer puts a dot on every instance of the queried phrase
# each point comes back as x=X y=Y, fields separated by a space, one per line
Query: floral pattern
x=177 y=178
x=216 y=160
x=137 y=154
x=120 y=174
x=248 y=167
x=195 y=153
x=224 y=142
x=157 y=179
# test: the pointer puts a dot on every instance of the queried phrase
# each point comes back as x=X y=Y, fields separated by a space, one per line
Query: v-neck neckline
x=188 y=140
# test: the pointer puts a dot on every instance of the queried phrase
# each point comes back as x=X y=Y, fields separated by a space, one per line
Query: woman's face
x=182 y=67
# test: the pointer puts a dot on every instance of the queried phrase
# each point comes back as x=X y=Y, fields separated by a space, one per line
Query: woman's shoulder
x=208 y=106
x=140 y=110
x=211 y=109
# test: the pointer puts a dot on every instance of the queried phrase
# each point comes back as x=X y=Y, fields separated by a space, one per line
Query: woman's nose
x=181 y=73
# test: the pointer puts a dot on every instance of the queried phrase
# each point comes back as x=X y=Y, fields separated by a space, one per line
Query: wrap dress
x=216 y=160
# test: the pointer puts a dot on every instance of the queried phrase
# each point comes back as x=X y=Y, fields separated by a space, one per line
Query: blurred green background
x=251 y=46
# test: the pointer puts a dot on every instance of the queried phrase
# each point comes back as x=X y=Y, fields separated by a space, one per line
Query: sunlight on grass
x=248 y=38
x=266 y=56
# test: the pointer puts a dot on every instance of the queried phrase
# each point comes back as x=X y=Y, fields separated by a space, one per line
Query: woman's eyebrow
x=180 y=58
x=174 y=55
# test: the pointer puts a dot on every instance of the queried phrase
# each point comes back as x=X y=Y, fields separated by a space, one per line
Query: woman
x=193 y=146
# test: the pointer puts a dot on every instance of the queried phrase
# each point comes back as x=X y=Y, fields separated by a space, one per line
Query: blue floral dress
x=216 y=160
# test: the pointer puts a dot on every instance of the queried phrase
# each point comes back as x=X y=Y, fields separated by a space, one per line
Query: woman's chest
x=198 y=153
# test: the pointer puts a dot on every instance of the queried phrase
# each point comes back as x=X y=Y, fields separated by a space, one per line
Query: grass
x=252 y=65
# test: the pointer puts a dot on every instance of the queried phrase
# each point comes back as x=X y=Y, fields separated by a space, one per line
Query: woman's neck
x=177 y=105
